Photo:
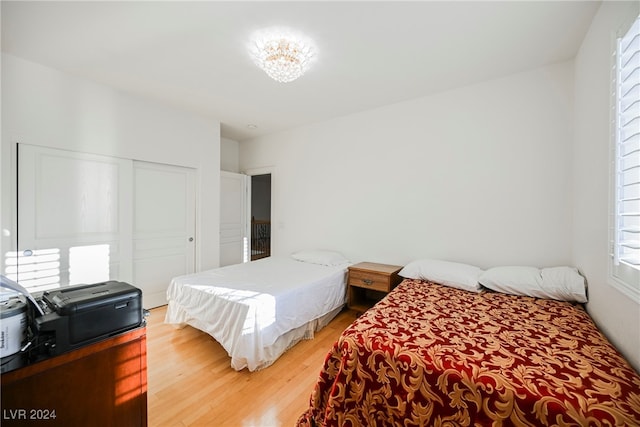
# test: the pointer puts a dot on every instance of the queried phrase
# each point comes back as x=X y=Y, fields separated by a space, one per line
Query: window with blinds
x=625 y=265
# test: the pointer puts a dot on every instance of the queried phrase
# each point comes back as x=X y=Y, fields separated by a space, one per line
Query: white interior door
x=74 y=221
x=163 y=227
x=233 y=218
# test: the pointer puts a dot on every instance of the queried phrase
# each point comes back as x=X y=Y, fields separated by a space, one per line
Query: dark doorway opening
x=260 y=216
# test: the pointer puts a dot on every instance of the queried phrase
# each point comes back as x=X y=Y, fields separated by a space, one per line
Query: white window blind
x=625 y=267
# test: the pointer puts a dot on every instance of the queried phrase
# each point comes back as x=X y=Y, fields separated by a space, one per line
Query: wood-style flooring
x=191 y=382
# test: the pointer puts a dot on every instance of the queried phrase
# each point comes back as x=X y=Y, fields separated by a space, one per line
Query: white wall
x=229 y=155
x=45 y=107
x=480 y=174
x=616 y=314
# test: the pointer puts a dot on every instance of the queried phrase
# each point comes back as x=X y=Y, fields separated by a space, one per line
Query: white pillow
x=320 y=257
x=453 y=274
x=559 y=283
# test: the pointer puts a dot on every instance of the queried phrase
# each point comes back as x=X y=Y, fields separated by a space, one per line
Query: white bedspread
x=248 y=307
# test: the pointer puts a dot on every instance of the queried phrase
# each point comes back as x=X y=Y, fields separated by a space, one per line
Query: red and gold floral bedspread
x=430 y=355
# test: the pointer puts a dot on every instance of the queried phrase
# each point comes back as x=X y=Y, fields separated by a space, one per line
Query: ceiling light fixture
x=283 y=55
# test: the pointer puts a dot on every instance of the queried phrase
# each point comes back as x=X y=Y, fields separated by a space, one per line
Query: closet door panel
x=74 y=224
x=163 y=227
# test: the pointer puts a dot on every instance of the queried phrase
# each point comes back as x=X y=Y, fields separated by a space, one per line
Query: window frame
x=622 y=275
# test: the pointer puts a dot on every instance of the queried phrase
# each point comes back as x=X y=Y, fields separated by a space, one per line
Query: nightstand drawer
x=370 y=280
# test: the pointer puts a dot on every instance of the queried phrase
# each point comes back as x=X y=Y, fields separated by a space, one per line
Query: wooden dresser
x=101 y=384
x=369 y=282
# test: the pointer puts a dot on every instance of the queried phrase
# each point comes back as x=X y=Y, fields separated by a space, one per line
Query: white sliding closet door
x=163 y=227
x=85 y=218
x=74 y=220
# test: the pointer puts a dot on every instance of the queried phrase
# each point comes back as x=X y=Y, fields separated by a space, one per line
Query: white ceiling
x=193 y=54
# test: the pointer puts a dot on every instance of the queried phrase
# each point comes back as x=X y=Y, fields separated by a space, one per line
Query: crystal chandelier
x=284 y=57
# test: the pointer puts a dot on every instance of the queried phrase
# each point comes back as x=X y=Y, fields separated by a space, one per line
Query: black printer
x=79 y=315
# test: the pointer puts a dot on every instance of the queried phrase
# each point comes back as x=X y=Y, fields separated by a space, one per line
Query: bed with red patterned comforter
x=429 y=355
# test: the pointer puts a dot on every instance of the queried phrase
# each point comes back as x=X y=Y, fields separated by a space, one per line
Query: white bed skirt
x=179 y=317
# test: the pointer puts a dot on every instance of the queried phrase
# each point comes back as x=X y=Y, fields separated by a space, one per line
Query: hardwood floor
x=191 y=382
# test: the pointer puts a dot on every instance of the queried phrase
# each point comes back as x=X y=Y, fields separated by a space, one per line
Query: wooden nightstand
x=369 y=282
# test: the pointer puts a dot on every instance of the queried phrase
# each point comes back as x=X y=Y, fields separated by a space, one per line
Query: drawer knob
x=367 y=282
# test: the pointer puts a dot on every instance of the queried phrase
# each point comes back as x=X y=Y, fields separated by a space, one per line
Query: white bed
x=259 y=309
